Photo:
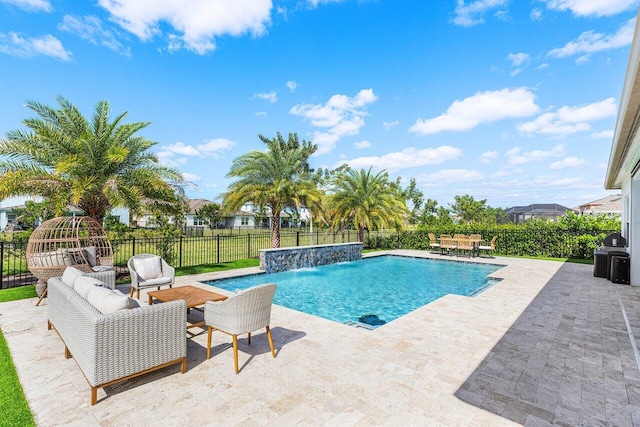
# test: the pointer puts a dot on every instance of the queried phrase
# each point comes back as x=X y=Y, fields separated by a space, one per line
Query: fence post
x=248 y=245
x=297 y=238
x=317 y=237
x=348 y=236
x=218 y=251
x=180 y=249
x=133 y=246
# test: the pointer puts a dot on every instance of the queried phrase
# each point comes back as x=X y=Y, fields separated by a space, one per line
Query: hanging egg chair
x=78 y=241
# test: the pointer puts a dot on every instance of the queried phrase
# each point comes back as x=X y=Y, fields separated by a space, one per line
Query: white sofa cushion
x=108 y=301
x=84 y=284
x=148 y=268
x=70 y=275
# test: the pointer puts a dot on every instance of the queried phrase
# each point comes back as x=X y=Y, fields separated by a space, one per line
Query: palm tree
x=367 y=201
x=95 y=165
x=277 y=178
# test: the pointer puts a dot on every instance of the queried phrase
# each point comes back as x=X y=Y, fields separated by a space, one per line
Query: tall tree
x=210 y=214
x=468 y=209
x=367 y=201
x=94 y=164
x=277 y=178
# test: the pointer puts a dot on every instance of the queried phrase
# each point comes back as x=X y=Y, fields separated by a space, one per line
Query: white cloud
x=543 y=66
x=447 y=177
x=31 y=5
x=390 y=125
x=15 y=45
x=488 y=157
x=592 y=7
x=515 y=157
x=315 y=3
x=483 y=107
x=167 y=158
x=340 y=116
x=215 y=146
x=272 y=96
x=362 y=144
x=180 y=148
x=407 y=158
x=191 y=177
x=469 y=14
x=90 y=28
x=261 y=114
x=569 y=120
x=210 y=148
x=197 y=22
x=590 y=42
x=568 y=162
x=605 y=134
x=292 y=85
x=518 y=59
x=536 y=14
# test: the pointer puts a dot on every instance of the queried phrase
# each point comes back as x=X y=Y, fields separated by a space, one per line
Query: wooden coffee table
x=192 y=295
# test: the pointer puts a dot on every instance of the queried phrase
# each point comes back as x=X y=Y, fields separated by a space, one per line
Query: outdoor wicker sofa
x=113 y=338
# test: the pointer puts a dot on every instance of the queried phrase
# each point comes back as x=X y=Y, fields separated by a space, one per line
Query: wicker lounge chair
x=149 y=271
x=242 y=313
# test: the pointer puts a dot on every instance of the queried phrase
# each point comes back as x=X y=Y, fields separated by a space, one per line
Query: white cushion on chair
x=148 y=268
x=70 y=275
x=108 y=301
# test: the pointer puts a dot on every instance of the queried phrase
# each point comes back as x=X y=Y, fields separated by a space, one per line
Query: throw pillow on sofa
x=148 y=268
x=108 y=301
x=70 y=275
x=84 y=284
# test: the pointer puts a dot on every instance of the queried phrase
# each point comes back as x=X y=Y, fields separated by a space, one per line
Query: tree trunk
x=275 y=230
x=360 y=234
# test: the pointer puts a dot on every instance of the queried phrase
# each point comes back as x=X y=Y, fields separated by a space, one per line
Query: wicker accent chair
x=433 y=242
x=241 y=313
x=490 y=247
x=149 y=271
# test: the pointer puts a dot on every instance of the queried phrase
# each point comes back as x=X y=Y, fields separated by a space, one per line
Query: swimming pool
x=370 y=291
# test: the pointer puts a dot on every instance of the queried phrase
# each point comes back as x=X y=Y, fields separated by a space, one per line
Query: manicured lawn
x=208 y=268
x=18 y=293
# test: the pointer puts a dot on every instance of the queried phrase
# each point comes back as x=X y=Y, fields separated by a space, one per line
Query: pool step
x=359 y=325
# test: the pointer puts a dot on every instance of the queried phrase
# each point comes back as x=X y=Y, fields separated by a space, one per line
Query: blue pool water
x=384 y=286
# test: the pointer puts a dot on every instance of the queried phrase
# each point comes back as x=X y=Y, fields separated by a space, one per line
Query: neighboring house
x=623 y=170
x=610 y=206
x=8 y=215
x=520 y=214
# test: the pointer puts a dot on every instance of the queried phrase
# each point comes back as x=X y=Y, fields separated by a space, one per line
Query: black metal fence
x=179 y=251
x=186 y=251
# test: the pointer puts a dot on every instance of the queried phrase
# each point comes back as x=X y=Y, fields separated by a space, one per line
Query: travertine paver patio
x=548 y=344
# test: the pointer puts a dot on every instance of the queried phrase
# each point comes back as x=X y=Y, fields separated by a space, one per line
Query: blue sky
x=514 y=102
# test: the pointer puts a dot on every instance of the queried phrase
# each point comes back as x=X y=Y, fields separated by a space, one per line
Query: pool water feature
x=372 y=291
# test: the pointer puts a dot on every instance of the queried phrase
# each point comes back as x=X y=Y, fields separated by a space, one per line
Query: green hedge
x=538 y=242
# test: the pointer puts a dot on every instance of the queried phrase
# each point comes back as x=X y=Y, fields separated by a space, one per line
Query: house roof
x=538 y=208
x=195 y=204
x=612 y=203
x=625 y=149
